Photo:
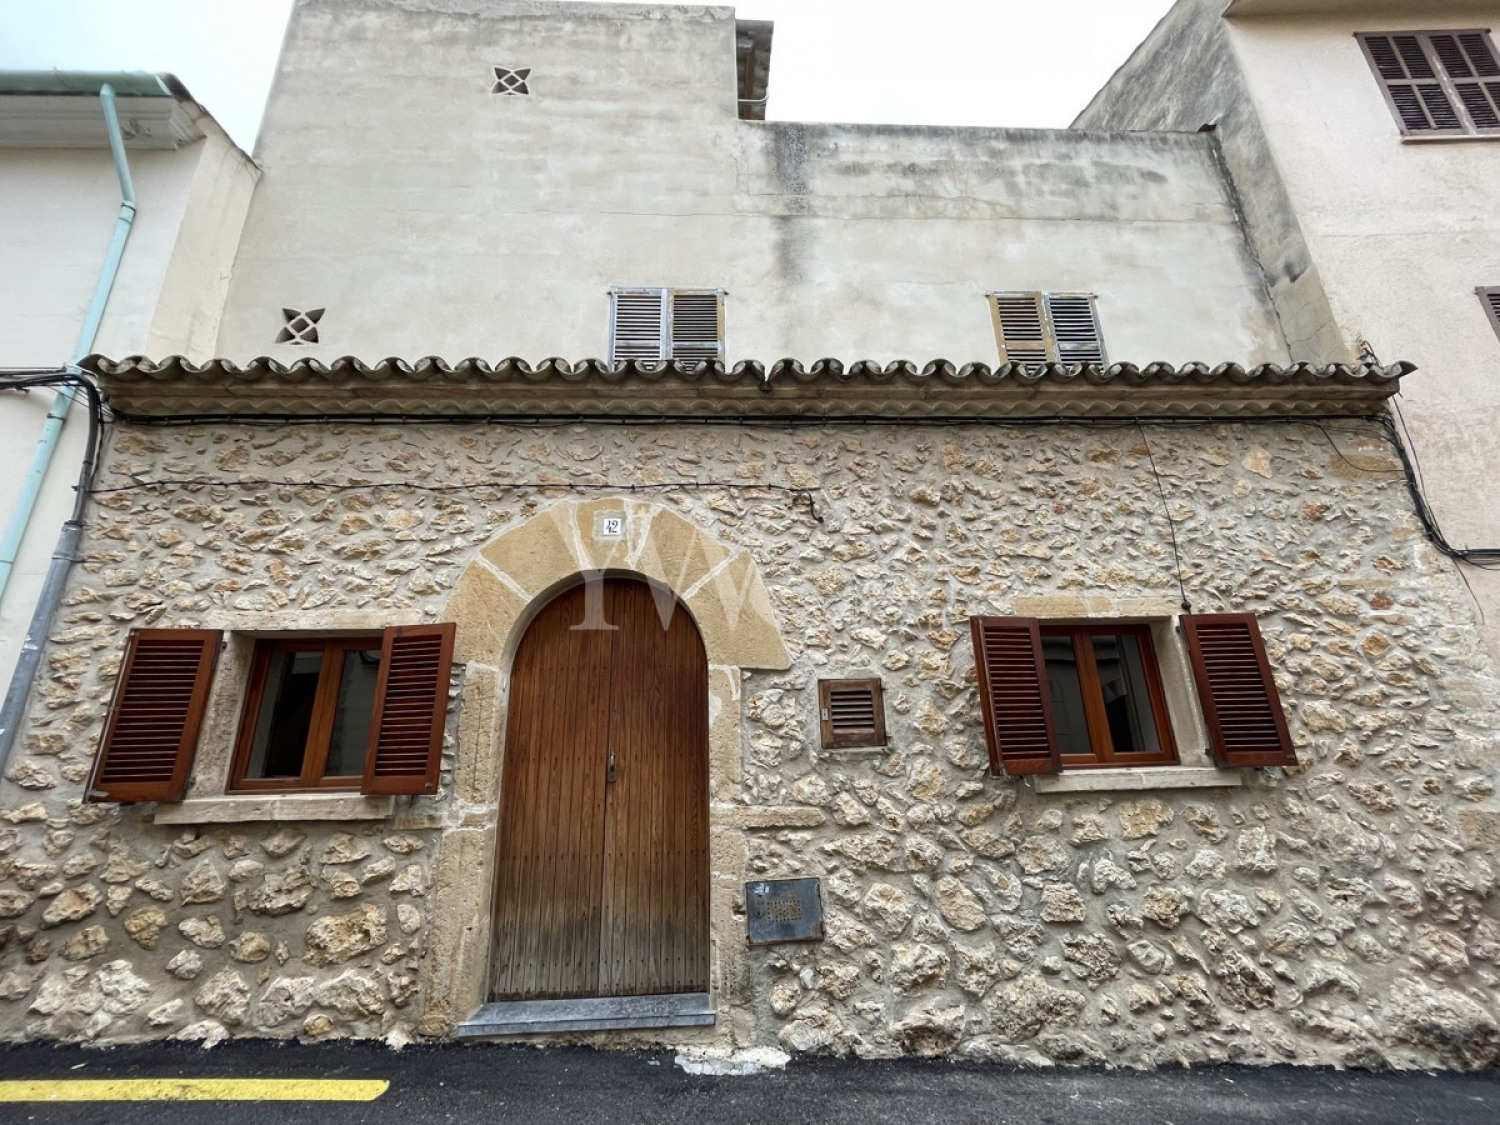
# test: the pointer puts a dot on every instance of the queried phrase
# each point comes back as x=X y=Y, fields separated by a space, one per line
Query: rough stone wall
x=1342 y=912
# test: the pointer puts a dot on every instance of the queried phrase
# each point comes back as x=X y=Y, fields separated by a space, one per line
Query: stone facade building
x=1115 y=701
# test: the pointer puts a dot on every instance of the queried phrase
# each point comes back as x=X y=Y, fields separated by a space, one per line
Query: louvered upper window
x=1038 y=328
x=658 y=324
x=1490 y=298
x=1438 y=83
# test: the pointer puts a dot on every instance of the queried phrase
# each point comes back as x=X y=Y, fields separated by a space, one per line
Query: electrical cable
x=1171 y=523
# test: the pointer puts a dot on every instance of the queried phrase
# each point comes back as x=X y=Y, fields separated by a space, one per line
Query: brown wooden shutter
x=1021 y=328
x=1412 y=84
x=1490 y=298
x=1469 y=63
x=638 y=324
x=1014 y=695
x=411 y=705
x=697 y=329
x=851 y=713
x=1246 y=726
x=1075 y=326
x=152 y=729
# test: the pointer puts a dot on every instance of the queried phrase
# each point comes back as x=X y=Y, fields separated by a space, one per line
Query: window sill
x=1139 y=778
x=1450 y=138
x=243 y=808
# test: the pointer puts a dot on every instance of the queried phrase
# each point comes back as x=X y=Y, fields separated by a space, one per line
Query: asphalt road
x=485 y=1083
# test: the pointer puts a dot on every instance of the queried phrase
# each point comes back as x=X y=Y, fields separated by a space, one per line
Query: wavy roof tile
x=137 y=387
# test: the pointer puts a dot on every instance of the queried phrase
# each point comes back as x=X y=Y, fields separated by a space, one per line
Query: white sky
x=927 y=62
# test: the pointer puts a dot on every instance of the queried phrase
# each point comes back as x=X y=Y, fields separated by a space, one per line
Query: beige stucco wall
x=1401 y=245
x=1366 y=239
x=429 y=216
x=62 y=205
x=1340 y=913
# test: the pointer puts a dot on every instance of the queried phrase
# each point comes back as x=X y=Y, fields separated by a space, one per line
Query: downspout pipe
x=46 y=446
x=29 y=660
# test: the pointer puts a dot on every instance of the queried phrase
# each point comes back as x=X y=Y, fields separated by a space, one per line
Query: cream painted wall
x=1402 y=233
x=429 y=216
x=61 y=206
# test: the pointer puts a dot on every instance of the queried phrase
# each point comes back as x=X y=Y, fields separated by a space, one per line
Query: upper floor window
x=1038 y=328
x=1490 y=298
x=657 y=324
x=1438 y=83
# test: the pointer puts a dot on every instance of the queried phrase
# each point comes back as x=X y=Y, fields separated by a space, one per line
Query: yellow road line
x=194 y=1090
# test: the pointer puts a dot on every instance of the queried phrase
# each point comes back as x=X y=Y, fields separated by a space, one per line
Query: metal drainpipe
x=65 y=555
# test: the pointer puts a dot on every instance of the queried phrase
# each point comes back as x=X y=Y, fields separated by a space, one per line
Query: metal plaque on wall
x=783 y=910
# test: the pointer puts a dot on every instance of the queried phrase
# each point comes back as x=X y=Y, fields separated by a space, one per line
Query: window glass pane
x=1122 y=681
x=356 y=707
x=286 y=709
x=1067 y=696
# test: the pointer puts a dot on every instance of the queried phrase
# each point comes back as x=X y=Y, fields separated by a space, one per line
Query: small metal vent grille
x=783 y=910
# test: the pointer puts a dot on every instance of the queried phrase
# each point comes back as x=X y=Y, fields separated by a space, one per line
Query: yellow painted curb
x=194 y=1090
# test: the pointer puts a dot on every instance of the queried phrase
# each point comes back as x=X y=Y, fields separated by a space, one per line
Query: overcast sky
x=926 y=62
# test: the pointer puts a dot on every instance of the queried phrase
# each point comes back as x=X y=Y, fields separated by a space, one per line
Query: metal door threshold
x=591 y=1013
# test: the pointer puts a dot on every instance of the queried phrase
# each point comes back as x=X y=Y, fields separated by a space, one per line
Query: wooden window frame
x=320 y=727
x=1467 y=127
x=834 y=739
x=1102 y=754
x=1053 y=348
x=666 y=337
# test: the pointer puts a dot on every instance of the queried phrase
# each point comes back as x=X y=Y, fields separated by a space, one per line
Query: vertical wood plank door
x=602 y=873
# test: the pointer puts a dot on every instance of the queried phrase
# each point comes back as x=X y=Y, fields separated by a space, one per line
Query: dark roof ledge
x=175 y=388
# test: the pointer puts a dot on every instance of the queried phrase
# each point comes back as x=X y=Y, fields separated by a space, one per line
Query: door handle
x=609 y=773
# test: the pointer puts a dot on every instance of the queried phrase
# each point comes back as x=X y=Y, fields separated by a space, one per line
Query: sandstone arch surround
x=506 y=583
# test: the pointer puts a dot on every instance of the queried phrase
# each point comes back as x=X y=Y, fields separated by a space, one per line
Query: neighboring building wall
x=1398 y=234
x=429 y=216
x=1340 y=913
x=166 y=300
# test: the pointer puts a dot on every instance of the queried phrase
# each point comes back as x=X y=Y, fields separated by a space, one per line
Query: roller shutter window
x=1246 y=725
x=1033 y=329
x=1438 y=83
x=651 y=325
x=151 y=733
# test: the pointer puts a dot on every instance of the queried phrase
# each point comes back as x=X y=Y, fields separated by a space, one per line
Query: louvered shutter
x=1412 y=84
x=1491 y=300
x=638 y=324
x=152 y=729
x=1469 y=63
x=697 y=327
x=851 y=713
x=411 y=706
x=1021 y=328
x=1246 y=726
x=1075 y=326
x=1014 y=696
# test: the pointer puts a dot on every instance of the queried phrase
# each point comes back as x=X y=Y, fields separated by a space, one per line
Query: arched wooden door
x=602 y=874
